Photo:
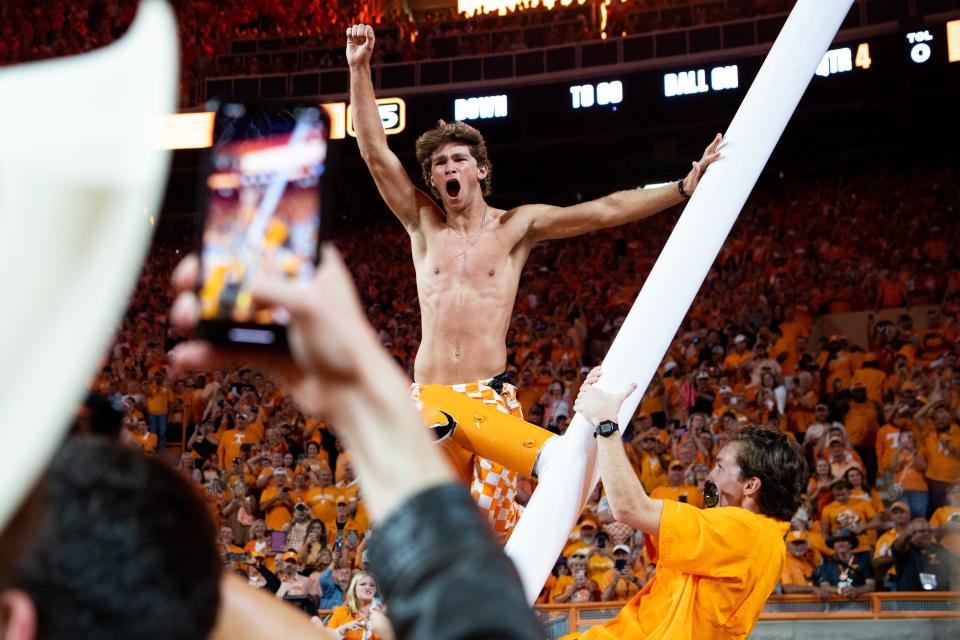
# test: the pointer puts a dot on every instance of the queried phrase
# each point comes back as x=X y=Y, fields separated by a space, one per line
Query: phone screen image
x=261 y=214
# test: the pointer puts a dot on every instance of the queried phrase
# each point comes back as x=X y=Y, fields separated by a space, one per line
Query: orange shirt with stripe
x=715 y=570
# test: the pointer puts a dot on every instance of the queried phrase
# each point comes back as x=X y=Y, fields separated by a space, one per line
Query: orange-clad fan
x=756 y=481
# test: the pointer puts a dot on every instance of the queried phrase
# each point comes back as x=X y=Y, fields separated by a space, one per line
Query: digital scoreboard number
x=919 y=42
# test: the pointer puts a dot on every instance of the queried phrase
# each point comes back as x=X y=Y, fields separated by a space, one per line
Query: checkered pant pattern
x=493 y=487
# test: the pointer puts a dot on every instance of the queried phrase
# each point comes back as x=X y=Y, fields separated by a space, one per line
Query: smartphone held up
x=260 y=208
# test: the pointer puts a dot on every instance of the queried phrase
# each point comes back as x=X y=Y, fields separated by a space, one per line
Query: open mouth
x=453 y=188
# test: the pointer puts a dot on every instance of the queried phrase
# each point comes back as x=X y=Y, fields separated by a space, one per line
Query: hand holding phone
x=260 y=202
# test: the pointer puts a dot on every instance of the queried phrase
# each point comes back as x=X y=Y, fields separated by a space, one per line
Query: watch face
x=607 y=428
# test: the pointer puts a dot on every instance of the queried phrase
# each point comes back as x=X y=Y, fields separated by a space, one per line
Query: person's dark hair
x=460 y=133
x=841 y=483
x=779 y=464
x=323 y=530
x=864 y=483
x=123 y=548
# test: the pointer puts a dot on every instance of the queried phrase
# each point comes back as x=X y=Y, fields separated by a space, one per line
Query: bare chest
x=485 y=262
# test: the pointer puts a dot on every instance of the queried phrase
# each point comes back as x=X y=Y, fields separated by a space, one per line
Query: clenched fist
x=360 y=41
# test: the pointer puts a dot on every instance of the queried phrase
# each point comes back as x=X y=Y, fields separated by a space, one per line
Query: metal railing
x=560 y=619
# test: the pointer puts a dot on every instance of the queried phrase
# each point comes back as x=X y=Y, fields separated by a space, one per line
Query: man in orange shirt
x=739 y=356
x=856 y=516
x=947 y=521
x=716 y=567
x=276 y=501
x=862 y=423
x=941 y=448
x=619 y=582
x=887 y=442
x=800 y=566
x=158 y=402
x=179 y=410
x=883 y=562
x=322 y=497
x=147 y=440
x=792 y=328
x=646 y=459
x=871 y=377
x=836 y=359
x=232 y=442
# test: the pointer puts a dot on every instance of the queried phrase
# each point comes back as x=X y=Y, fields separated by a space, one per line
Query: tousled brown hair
x=780 y=466
x=460 y=133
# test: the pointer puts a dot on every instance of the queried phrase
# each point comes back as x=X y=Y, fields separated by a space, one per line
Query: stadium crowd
x=878 y=421
x=52 y=28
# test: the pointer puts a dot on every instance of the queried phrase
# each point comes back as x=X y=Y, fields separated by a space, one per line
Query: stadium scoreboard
x=652 y=91
x=872 y=66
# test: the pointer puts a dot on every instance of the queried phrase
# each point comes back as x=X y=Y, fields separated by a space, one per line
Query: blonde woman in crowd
x=361 y=616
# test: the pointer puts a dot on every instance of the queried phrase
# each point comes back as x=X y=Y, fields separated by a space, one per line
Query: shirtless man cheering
x=468 y=256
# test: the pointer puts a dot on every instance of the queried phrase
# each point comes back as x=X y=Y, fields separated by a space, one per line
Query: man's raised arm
x=629 y=503
x=392 y=180
x=547 y=222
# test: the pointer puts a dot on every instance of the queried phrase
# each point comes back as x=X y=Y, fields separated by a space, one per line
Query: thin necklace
x=483 y=220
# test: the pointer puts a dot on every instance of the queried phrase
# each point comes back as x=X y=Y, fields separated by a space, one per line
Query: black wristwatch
x=606 y=429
